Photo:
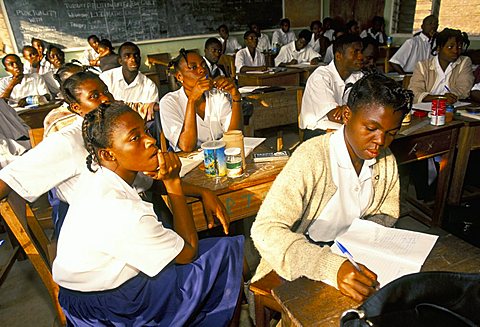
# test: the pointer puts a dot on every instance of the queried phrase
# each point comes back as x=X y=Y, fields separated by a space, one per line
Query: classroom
x=240 y=163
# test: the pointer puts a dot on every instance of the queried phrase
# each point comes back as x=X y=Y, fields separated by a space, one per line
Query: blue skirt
x=202 y=293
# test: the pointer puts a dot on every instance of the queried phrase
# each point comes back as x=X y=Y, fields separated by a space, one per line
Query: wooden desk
x=312 y=303
x=243 y=196
x=427 y=142
x=34 y=117
x=289 y=77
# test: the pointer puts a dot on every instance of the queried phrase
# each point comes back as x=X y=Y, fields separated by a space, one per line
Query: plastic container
x=234 y=162
x=449 y=112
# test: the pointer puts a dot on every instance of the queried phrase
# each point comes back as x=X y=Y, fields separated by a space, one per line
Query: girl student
x=58 y=161
x=130 y=270
x=192 y=115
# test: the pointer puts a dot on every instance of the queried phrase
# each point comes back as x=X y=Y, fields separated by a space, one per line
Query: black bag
x=421 y=299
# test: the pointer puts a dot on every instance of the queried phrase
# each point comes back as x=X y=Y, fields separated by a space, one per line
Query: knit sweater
x=298 y=196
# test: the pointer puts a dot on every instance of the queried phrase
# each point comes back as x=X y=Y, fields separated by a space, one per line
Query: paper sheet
x=427 y=106
x=249 y=89
x=464 y=113
x=250 y=143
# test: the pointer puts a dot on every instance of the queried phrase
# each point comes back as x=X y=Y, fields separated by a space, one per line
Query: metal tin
x=437 y=117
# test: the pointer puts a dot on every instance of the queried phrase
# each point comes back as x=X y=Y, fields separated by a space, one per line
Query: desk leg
x=465 y=141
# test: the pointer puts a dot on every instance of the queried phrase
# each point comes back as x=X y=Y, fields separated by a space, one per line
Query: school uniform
x=44 y=67
x=329 y=34
x=289 y=52
x=214 y=69
x=476 y=87
x=142 y=89
x=232 y=45
x=314 y=44
x=325 y=90
x=263 y=43
x=31 y=84
x=89 y=54
x=244 y=58
x=52 y=84
x=329 y=55
x=416 y=49
x=218 y=113
x=122 y=273
x=282 y=38
x=378 y=36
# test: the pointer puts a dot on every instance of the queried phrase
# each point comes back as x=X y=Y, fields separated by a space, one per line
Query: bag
x=421 y=299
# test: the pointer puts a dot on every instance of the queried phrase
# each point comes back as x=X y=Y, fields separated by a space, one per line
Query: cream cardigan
x=296 y=198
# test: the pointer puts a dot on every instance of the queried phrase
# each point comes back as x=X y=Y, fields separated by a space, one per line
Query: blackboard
x=70 y=22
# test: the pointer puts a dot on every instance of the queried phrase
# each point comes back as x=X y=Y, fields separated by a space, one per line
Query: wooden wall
x=302 y=13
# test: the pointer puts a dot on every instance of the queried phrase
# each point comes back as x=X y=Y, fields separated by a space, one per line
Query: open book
x=388 y=252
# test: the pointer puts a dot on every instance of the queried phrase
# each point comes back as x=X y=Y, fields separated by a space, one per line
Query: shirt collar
x=118 y=77
x=424 y=37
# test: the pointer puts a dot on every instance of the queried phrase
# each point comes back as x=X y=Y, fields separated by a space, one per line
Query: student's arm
x=464 y=79
x=336 y=114
x=9 y=87
x=397 y=68
x=227 y=84
x=146 y=110
x=418 y=82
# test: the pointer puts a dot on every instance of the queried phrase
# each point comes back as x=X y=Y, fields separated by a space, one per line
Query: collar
x=423 y=37
x=118 y=77
x=434 y=63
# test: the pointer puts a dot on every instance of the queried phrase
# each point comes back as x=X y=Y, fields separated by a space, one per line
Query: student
x=283 y=35
x=297 y=52
x=329 y=181
x=370 y=55
x=146 y=273
x=32 y=62
x=90 y=55
x=250 y=58
x=352 y=27
x=56 y=57
x=327 y=88
x=191 y=115
x=128 y=84
x=447 y=73
x=328 y=31
x=263 y=40
x=329 y=52
x=40 y=46
x=18 y=86
x=213 y=52
x=108 y=59
x=376 y=32
x=59 y=160
x=318 y=42
x=230 y=45
x=418 y=48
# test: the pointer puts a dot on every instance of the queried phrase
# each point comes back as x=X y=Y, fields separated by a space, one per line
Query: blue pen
x=448 y=90
x=2 y=241
x=348 y=255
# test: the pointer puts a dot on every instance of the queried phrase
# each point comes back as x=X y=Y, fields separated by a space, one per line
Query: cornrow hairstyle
x=69 y=87
x=174 y=64
x=376 y=88
x=97 y=129
x=65 y=71
x=442 y=38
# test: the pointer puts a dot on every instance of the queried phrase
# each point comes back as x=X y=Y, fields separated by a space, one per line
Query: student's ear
x=179 y=77
x=106 y=155
x=75 y=107
x=346 y=114
x=338 y=56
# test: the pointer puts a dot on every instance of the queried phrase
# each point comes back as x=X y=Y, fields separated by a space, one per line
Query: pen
x=1 y=242
x=348 y=255
x=448 y=90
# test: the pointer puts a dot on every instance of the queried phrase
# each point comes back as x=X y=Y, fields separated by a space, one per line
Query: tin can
x=214 y=158
x=437 y=117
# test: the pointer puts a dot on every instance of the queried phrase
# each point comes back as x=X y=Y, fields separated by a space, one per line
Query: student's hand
x=355 y=284
x=214 y=207
x=16 y=79
x=22 y=102
x=151 y=108
x=203 y=84
x=336 y=114
x=315 y=61
x=293 y=62
x=228 y=85
x=169 y=166
x=451 y=98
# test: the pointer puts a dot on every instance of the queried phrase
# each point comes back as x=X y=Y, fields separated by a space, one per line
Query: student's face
x=317 y=29
x=285 y=27
x=355 y=30
x=223 y=33
x=255 y=28
x=133 y=149
x=351 y=58
x=369 y=57
x=213 y=52
x=378 y=26
x=369 y=129
x=90 y=94
x=38 y=45
x=430 y=26
x=451 y=50
x=196 y=69
x=31 y=57
x=56 y=58
x=300 y=44
x=13 y=65
x=251 y=41
x=130 y=58
x=103 y=50
x=93 y=42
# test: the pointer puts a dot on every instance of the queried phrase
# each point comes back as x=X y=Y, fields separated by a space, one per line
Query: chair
x=36 y=136
x=265 y=304
x=32 y=239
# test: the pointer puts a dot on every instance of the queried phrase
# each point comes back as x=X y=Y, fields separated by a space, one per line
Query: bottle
x=449 y=110
x=389 y=41
x=234 y=162
x=36 y=100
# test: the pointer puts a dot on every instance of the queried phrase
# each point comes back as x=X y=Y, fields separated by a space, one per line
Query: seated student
x=447 y=73
x=40 y=46
x=191 y=115
x=298 y=52
x=250 y=58
x=213 y=52
x=329 y=52
x=108 y=59
x=32 y=62
x=418 y=48
x=263 y=40
x=90 y=55
x=56 y=57
x=328 y=86
x=148 y=274
x=352 y=27
x=318 y=42
x=475 y=93
x=18 y=86
x=328 y=31
x=370 y=55
x=329 y=181
x=283 y=35
x=128 y=84
x=230 y=44
x=376 y=32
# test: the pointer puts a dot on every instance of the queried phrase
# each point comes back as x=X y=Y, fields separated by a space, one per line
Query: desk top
x=34 y=117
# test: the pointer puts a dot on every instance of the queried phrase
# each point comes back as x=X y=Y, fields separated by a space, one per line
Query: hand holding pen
x=355 y=280
x=451 y=98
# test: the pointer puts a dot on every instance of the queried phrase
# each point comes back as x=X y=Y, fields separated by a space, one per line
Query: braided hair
x=174 y=64
x=379 y=89
x=70 y=89
x=442 y=38
x=65 y=71
x=97 y=129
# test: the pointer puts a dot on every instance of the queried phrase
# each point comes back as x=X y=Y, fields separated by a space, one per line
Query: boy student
x=297 y=52
x=32 y=62
x=328 y=31
x=263 y=40
x=90 y=55
x=250 y=58
x=230 y=45
x=376 y=32
x=328 y=87
x=128 y=84
x=318 y=42
x=328 y=58
x=18 y=86
x=283 y=35
x=329 y=181
x=418 y=48
x=213 y=52
x=40 y=46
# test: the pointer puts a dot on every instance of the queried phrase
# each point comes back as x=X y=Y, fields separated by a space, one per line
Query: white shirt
x=353 y=196
x=416 y=49
x=244 y=58
x=441 y=83
x=109 y=236
x=314 y=44
x=329 y=55
x=31 y=84
x=232 y=45
x=52 y=84
x=376 y=36
x=142 y=89
x=12 y=129
x=329 y=34
x=218 y=112
x=325 y=90
x=263 y=43
x=476 y=87
x=44 y=67
x=57 y=162
x=282 y=38
x=289 y=52
x=89 y=54
x=213 y=68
